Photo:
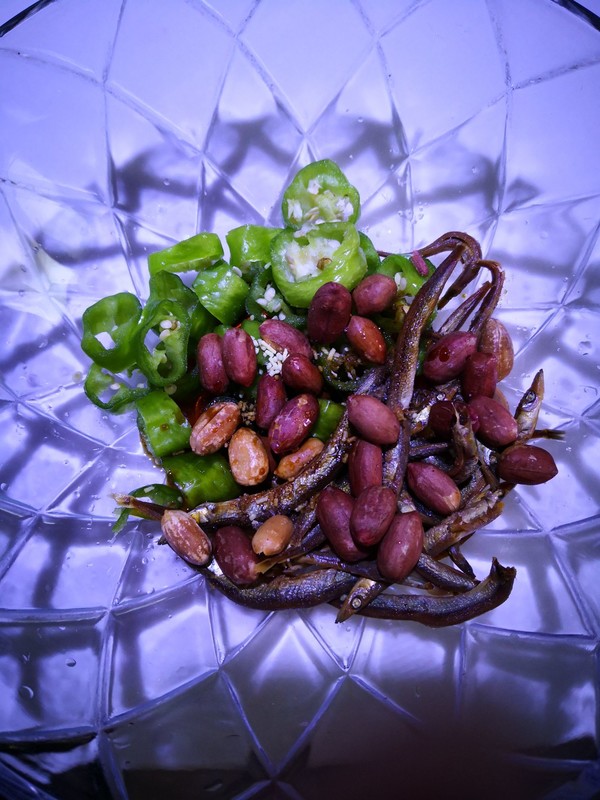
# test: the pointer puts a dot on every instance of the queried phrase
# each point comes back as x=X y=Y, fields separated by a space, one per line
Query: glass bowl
x=128 y=125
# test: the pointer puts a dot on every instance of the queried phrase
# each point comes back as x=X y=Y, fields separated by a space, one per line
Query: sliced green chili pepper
x=109 y=391
x=250 y=244
x=264 y=298
x=401 y=266
x=116 y=316
x=371 y=254
x=163 y=427
x=327 y=252
x=222 y=292
x=198 y=252
x=165 y=361
x=409 y=281
x=201 y=479
x=159 y=493
x=329 y=416
x=320 y=192
x=168 y=286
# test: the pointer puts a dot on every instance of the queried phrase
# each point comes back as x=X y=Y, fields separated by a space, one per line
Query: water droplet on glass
x=26 y=692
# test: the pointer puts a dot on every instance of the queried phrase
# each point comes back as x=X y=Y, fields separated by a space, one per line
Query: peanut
x=497 y=426
x=365 y=466
x=446 y=358
x=495 y=339
x=372 y=515
x=292 y=464
x=433 y=487
x=301 y=375
x=214 y=428
x=186 y=537
x=235 y=556
x=273 y=536
x=270 y=399
x=527 y=464
x=334 y=509
x=293 y=424
x=366 y=339
x=373 y=420
x=479 y=376
x=328 y=313
x=400 y=548
x=239 y=357
x=248 y=458
x=374 y=294
x=210 y=364
x=282 y=336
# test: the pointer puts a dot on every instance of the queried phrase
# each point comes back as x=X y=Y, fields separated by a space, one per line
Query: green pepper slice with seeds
x=265 y=299
x=401 y=267
x=328 y=252
x=320 y=192
x=168 y=286
x=162 y=342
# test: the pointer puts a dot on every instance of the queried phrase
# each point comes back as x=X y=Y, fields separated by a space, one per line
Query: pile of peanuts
x=284 y=424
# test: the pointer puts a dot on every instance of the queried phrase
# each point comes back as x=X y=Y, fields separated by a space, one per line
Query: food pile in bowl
x=328 y=415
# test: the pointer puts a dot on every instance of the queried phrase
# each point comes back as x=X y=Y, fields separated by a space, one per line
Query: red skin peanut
x=446 y=358
x=334 y=509
x=497 y=426
x=372 y=515
x=211 y=368
x=328 y=313
x=293 y=424
x=365 y=466
x=239 y=357
x=301 y=375
x=433 y=487
x=495 y=339
x=270 y=399
x=400 y=548
x=366 y=339
x=526 y=464
x=479 y=376
x=282 y=336
x=373 y=420
x=233 y=552
x=374 y=294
